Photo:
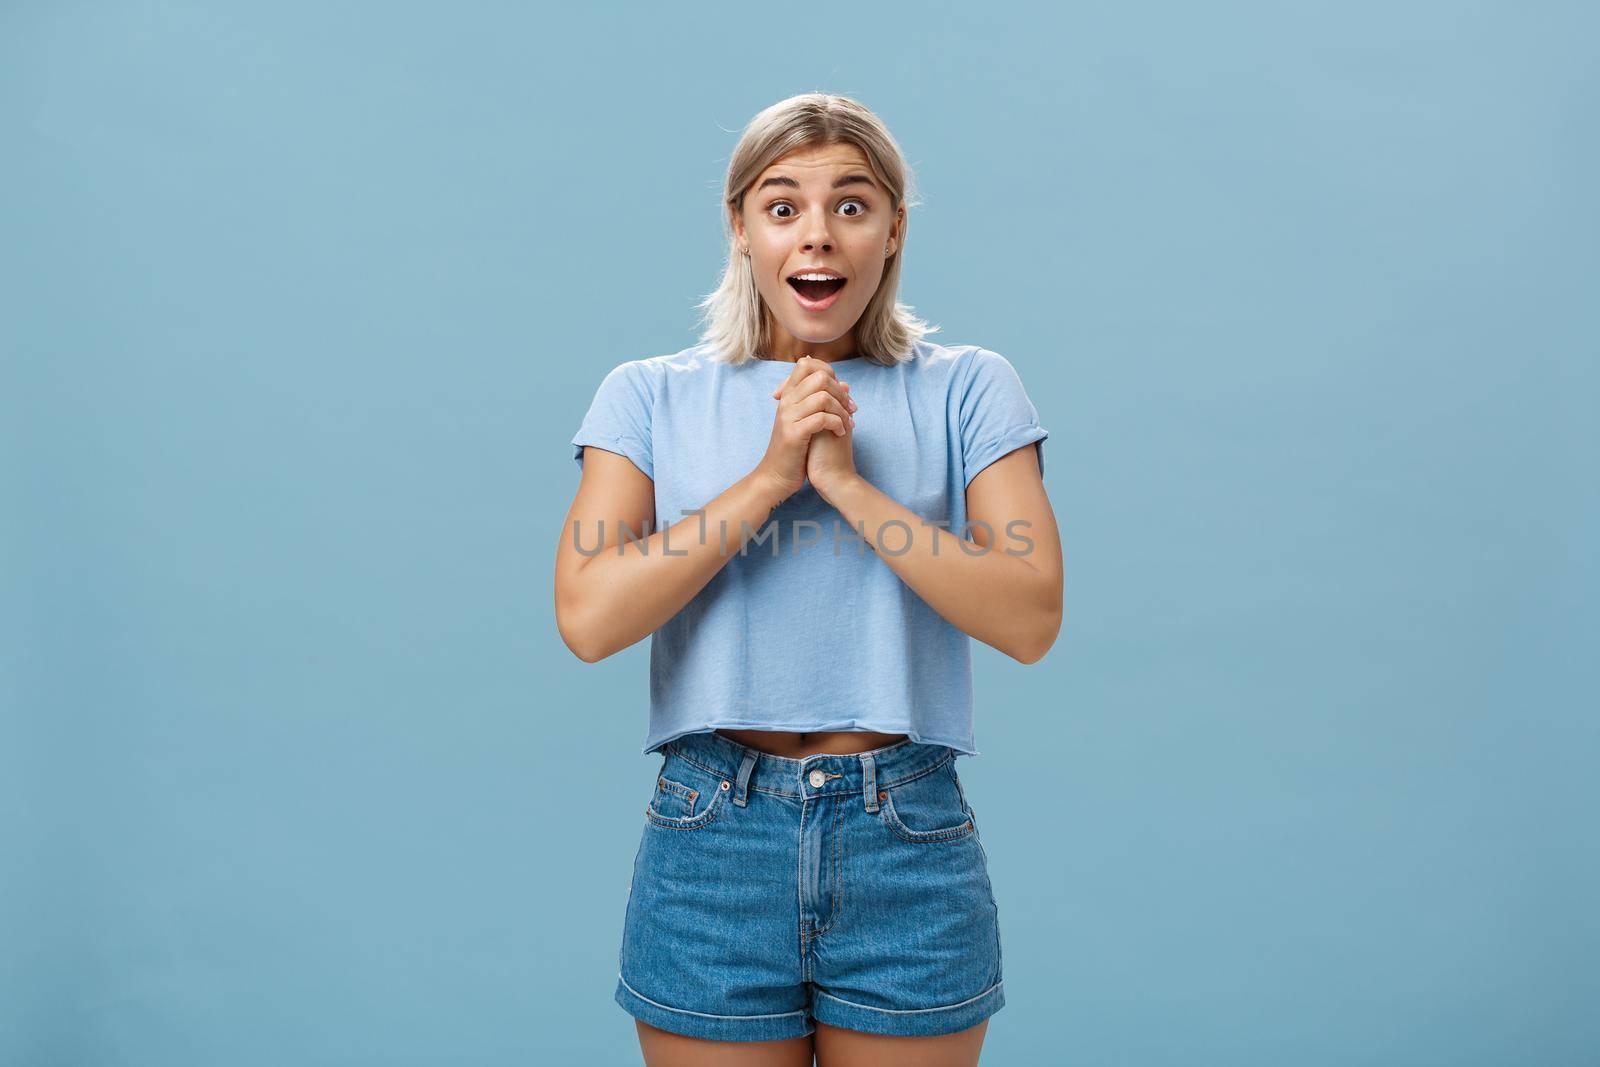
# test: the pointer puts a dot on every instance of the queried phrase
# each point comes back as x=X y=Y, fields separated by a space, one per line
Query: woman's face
x=818 y=209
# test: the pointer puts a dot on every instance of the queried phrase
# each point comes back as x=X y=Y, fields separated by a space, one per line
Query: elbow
x=576 y=643
x=579 y=633
x=584 y=648
x=587 y=653
x=1041 y=637
x=1032 y=653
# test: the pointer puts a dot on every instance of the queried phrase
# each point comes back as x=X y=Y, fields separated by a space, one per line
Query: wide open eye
x=777 y=204
x=861 y=204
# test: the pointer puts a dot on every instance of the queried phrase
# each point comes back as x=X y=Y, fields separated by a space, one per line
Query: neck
x=786 y=348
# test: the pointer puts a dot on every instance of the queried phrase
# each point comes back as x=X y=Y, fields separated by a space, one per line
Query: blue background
x=300 y=304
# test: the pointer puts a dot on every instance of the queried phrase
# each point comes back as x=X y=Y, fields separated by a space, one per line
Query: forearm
x=631 y=587
x=1002 y=600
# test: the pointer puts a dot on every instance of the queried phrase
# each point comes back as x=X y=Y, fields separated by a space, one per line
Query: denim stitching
x=800 y=895
x=705 y=1014
x=921 y=837
x=838 y=850
x=912 y=1011
x=678 y=789
x=959 y=791
x=838 y=888
x=689 y=822
x=946 y=758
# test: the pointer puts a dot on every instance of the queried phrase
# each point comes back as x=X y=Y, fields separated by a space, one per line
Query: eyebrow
x=848 y=179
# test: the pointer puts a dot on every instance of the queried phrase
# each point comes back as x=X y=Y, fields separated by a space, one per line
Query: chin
x=814 y=333
x=824 y=338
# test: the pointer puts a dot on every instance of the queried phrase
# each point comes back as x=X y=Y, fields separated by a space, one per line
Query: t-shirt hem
x=965 y=746
x=632 y=448
x=1005 y=444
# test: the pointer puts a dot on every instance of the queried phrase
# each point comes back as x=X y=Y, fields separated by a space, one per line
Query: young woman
x=810 y=514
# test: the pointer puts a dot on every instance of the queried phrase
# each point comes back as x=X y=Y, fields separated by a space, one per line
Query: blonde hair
x=736 y=321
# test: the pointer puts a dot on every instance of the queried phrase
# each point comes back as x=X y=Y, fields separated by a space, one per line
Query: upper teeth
x=816 y=277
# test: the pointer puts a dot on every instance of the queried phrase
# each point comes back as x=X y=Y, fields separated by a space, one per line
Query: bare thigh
x=663 y=1048
x=837 y=1047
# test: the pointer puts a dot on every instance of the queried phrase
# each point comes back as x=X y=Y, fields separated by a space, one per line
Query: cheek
x=762 y=264
x=767 y=281
x=866 y=282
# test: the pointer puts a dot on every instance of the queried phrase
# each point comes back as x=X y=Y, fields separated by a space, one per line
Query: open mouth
x=817 y=295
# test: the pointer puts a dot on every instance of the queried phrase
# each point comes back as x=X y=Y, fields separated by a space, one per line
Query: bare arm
x=1011 y=602
x=609 y=600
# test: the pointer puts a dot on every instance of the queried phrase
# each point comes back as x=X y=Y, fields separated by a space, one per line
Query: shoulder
x=961 y=368
x=983 y=372
x=978 y=362
x=932 y=362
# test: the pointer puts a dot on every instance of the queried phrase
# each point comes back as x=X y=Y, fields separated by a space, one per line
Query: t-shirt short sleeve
x=996 y=415
x=619 y=418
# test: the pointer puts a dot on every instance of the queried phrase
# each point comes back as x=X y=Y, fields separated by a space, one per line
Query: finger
x=833 y=387
x=822 y=420
x=822 y=400
x=822 y=376
x=777 y=394
x=799 y=371
x=843 y=393
x=821 y=379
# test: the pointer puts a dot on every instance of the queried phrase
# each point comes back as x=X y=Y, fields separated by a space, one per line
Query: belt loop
x=962 y=793
x=740 y=794
x=869 y=771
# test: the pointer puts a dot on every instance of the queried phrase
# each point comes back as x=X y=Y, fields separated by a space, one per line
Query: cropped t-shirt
x=807 y=628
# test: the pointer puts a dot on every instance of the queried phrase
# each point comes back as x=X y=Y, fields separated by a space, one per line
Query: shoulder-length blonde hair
x=736 y=320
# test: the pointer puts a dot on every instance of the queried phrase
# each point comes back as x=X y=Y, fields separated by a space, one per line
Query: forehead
x=817 y=165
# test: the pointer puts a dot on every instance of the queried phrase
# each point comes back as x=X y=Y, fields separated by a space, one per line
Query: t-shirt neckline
x=852 y=361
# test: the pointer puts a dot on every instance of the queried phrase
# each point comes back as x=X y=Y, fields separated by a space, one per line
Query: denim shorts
x=769 y=894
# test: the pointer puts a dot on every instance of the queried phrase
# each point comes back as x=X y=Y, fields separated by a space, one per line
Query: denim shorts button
x=817 y=778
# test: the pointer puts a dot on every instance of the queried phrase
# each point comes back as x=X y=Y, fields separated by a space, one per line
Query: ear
x=737 y=222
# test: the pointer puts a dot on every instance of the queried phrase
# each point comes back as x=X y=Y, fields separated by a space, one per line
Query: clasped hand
x=812 y=430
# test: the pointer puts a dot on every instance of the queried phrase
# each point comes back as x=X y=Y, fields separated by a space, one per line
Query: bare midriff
x=798 y=746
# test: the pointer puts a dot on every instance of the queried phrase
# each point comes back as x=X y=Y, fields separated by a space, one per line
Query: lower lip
x=817 y=305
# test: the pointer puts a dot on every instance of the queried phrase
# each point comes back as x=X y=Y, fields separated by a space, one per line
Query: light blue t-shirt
x=810 y=629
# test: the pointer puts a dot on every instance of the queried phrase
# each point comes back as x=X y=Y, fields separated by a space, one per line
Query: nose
x=817 y=237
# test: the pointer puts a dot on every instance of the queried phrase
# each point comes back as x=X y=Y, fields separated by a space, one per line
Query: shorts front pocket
x=928 y=809
x=686 y=797
x=673 y=799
